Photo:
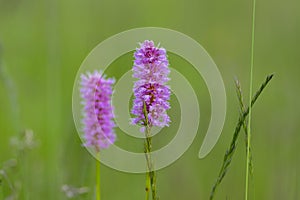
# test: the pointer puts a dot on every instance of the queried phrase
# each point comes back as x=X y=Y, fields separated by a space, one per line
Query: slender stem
x=250 y=95
x=149 y=163
x=147 y=150
x=151 y=175
x=229 y=152
x=245 y=125
x=98 y=194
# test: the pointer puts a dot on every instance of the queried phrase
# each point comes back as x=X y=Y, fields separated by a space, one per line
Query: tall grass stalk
x=250 y=95
x=245 y=125
x=229 y=152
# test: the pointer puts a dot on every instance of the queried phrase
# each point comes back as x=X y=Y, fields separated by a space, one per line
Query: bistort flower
x=98 y=122
x=151 y=69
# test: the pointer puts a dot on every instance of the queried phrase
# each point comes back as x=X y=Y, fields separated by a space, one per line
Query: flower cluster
x=150 y=90
x=98 y=122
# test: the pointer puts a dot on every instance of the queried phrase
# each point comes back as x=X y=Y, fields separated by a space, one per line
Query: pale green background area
x=44 y=42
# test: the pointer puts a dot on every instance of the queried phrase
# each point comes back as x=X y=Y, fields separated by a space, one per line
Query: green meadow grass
x=42 y=46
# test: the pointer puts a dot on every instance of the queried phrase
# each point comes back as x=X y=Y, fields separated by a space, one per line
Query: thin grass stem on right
x=229 y=152
x=245 y=124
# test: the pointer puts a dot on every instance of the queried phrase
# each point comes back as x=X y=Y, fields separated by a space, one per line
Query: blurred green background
x=43 y=44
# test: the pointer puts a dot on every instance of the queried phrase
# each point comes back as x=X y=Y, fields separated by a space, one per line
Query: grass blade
x=245 y=127
x=229 y=152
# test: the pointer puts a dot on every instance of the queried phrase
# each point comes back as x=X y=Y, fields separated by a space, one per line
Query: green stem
x=151 y=175
x=229 y=152
x=245 y=125
x=147 y=150
x=148 y=147
x=250 y=95
x=98 y=195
